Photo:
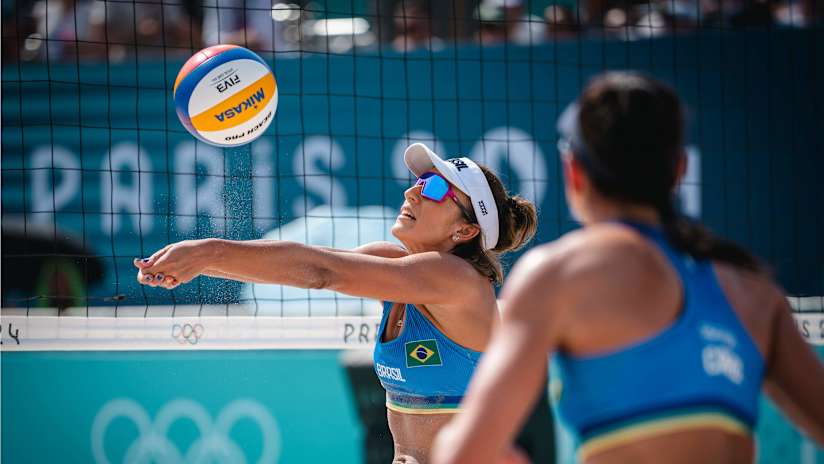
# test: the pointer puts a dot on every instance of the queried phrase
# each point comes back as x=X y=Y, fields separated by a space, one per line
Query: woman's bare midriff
x=414 y=435
x=705 y=446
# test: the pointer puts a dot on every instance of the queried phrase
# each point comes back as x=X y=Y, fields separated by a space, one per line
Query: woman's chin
x=399 y=229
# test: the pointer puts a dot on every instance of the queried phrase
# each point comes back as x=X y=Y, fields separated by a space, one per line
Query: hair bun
x=522 y=221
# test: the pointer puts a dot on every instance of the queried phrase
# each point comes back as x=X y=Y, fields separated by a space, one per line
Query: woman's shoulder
x=754 y=294
x=755 y=297
x=597 y=247
x=382 y=249
x=594 y=269
x=594 y=264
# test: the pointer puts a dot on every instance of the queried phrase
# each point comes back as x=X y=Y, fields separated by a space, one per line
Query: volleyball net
x=97 y=170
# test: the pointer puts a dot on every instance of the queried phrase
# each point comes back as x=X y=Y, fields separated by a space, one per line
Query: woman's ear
x=466 y=232
x=574 y=173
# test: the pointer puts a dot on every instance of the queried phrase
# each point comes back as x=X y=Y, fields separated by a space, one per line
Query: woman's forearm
x=266 y=261
x=223 y=275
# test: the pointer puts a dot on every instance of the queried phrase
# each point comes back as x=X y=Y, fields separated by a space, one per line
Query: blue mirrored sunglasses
x=436 y=188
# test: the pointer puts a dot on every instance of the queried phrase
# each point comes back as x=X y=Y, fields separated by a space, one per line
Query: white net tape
x=191 y=327
x=232 y=327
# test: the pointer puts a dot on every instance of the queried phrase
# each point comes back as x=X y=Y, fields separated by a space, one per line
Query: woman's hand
x=174 y=264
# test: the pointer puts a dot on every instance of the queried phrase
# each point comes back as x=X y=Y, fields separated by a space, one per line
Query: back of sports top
x=704 y=370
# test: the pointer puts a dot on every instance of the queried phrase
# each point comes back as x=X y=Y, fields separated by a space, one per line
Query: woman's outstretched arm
x=418 y=277
x=382 y=249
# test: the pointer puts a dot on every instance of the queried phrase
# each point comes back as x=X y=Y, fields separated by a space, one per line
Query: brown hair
x=632 y=131
x=517 y=223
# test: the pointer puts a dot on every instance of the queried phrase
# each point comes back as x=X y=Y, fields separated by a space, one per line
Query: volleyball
x=226 y=95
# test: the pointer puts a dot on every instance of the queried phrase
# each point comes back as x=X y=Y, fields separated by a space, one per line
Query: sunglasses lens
x=435 y=188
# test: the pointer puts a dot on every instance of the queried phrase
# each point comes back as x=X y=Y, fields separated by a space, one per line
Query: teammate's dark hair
x=517 y=223
x=632 y=127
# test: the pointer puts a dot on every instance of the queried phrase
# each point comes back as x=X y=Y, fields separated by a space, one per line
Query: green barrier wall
x=101 y=407
x=166 y=407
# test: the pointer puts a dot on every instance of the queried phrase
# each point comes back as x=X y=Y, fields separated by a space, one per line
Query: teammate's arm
x=795 y=374
x=512 y=371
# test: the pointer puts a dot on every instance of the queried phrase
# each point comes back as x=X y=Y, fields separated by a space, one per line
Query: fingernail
x=159 y=277
x=145 y=260
x=147 y=278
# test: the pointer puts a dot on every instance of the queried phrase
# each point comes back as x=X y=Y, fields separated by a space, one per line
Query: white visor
x=467 y=177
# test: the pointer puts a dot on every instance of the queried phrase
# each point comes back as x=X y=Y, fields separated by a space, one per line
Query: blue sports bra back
x=422 y=370
x=704 y=370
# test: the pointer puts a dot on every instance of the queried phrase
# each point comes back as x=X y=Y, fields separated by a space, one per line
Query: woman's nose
x=413 y=194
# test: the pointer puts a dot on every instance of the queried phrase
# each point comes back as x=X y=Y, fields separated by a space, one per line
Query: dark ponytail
x=518 y=219
x=627 y=133
x=697 y=241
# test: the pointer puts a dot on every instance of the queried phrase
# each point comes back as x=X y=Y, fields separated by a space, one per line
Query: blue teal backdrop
x=98 y=148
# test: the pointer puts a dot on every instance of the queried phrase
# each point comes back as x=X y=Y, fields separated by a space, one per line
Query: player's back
x=665 y=360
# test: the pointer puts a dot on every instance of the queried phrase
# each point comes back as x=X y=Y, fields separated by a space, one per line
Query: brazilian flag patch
x=422 y=353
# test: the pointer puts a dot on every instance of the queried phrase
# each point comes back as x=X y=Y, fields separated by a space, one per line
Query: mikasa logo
x=251 y=102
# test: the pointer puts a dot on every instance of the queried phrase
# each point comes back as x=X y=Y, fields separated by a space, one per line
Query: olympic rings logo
x=187 y=333
x=214 y=443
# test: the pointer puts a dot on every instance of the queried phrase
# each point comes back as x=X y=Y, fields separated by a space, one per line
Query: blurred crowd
x=117 y=29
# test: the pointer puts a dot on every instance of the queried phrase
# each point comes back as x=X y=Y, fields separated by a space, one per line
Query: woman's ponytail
x=521 y=226
x=692 y=238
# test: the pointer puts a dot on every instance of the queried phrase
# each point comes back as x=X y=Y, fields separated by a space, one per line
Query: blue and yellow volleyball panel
x=226 y=95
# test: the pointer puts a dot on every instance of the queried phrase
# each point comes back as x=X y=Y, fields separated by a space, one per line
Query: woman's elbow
x=311 y=278
x=322 y=279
